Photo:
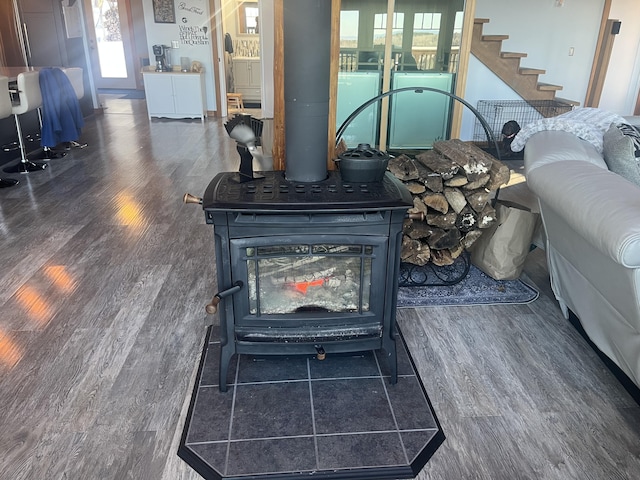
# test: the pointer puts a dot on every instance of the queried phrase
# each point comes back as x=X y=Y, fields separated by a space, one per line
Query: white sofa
x=591 y=218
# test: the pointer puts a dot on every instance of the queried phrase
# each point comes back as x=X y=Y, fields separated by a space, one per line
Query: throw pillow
x=622 y=151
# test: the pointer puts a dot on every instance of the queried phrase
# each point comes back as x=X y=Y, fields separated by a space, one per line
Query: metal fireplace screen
x=289 y=279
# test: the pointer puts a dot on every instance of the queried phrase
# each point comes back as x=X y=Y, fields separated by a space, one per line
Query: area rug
x=476 y=288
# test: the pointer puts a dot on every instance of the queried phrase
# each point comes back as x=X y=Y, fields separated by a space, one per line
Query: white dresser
x=175 y=94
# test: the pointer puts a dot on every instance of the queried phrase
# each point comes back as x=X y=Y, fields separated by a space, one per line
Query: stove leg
x=393 y=364
x=389 y=347
x=226 y=352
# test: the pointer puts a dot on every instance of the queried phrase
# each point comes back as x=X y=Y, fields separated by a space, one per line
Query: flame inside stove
x=302 y=287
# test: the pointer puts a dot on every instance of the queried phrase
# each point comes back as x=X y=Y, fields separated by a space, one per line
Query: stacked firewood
x=452 y=187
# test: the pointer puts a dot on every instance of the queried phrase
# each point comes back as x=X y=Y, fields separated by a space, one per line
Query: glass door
x=286 y=279
x=293 y=278
x=110 y=43
x=403 y=43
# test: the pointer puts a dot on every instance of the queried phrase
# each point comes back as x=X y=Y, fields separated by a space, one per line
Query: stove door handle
x=212 y=307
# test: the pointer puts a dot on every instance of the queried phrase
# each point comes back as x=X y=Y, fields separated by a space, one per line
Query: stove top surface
x=275 y=192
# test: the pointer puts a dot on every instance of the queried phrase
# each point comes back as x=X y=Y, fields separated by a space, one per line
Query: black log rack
x=431 y=275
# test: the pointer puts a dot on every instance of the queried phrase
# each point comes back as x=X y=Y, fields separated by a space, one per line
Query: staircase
x=506 y=65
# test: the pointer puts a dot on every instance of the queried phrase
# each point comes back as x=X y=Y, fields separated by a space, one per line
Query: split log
x=467 y=220
x=456 y=251
x=437 y=201
x=418 y=206
x=439 y=220
x=487 y=217
x=470 y=238
x=457 y=181
x=433 y=182
x=441 y=258
x=499 y=175
x=444 y=239
x=477 y=199
x=479 y=182
x=456 y=199
x=438 y=163
x=423 y=171
x=419 y=230
x=416 y=188
x=403 y=168
x=414 y=252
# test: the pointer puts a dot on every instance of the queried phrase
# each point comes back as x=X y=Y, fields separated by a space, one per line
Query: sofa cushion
x=622 y=151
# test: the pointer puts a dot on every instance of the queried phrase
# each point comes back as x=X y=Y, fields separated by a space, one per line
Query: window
x=248 y=17
x=380 y=29
x=427 y=21
x=457 y=29
x=426 y=34
x=349 y=28
x=426 y=28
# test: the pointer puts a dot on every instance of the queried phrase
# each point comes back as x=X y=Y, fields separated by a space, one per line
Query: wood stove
x=305 y=268
x=306 y=262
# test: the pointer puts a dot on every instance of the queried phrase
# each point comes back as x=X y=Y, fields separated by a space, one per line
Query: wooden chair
x=234 y=101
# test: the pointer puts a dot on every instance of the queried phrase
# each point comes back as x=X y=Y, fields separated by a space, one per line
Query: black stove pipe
x=307 y=62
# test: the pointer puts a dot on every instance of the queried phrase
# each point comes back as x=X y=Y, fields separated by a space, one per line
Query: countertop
x=152 y=70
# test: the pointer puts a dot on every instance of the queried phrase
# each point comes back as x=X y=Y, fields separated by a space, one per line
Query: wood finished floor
x=105 y=274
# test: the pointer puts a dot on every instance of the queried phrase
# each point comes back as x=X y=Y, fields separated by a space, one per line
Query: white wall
x=193 y=32
x=546 y=32
x=621 y=85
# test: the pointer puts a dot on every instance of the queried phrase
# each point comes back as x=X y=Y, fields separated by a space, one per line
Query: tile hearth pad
x=290 y=417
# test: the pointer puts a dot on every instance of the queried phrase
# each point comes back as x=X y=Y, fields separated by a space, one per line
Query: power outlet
x=175 y=44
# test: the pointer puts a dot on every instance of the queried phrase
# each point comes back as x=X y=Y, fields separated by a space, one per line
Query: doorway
x=242 y=53
x=110 y=34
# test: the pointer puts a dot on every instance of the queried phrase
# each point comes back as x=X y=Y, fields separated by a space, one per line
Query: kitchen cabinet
x=247 y=78
x=175 y=95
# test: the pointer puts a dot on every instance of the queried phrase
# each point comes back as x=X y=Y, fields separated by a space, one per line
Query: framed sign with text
x=164 y=11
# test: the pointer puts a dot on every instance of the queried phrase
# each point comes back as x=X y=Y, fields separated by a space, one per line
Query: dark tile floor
x=295 y=416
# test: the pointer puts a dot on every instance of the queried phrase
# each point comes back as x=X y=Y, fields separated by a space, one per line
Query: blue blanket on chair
x=62 y=119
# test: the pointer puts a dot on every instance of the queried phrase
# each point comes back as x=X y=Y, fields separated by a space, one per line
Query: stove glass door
x=291 y=278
